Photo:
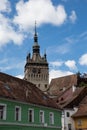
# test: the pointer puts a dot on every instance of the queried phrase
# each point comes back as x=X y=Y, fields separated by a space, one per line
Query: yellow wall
x=83 y=121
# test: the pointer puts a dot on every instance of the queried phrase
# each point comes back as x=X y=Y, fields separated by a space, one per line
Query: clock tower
x=36 y=67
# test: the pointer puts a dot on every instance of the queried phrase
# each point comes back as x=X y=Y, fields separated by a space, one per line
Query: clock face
x=34 y=70
x=38 y=71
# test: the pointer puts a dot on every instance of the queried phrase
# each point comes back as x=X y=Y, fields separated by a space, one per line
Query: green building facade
x=16 y=115
x=26 y=110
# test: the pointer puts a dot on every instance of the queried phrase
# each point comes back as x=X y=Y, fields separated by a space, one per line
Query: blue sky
x=62 y=32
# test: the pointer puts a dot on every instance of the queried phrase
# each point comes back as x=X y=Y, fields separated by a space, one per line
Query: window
x=51 y=118
x=69 y=127
x=57 y=101
x=31 y=115
x=67 y=114
x=79 y=122
x=39 y=85
x=41 y=116
x=18 y=113
x=62 y=99
x=3 y=111
x=45 y=85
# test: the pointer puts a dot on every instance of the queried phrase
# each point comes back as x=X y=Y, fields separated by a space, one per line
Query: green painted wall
x=25 y=128
x=10 y=117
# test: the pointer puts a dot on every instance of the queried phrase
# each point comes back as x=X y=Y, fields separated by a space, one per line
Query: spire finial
x=35 y=27
x=35 y=35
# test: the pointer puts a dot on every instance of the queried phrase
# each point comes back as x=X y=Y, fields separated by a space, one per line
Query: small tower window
x=39 y=85
x=45 y=85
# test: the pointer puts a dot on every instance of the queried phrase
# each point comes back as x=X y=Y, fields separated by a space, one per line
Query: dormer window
x=62 y=99
x=57 y=101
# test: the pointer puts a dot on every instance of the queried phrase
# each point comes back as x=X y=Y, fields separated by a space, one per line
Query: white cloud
x=20 y=76
x=71 y=64
x=8 y=33
x=9 y=67
x=73 y=16
x=69 y=40
x=58 y=73
x=83 y=59
x=9 y=64
x=61 y=49
x=3 y=61
x=5 y=6
x=6 y=68
x=83 y=36
x=41 y=10
x=56 y=63
x=64 y=48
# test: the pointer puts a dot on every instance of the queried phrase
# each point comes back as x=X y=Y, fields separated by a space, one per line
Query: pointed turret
x=36 y=47
x=45 y=56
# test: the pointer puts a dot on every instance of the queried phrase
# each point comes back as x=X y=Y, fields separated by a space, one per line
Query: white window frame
x=19 y=113
x=4 y=111
x=32 y=120
x=41 y=116
x=51 y=118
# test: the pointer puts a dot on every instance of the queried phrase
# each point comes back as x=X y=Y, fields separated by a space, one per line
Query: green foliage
x=82 y=84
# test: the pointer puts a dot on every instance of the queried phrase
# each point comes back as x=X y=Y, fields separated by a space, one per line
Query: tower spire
x=35 y=35
x=35 y=27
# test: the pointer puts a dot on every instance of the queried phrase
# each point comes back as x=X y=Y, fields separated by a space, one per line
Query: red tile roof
x=58 y=84
x=66 y=91
x=76 y=97
x=82 y=109
x=21 y=90
x=68 y=98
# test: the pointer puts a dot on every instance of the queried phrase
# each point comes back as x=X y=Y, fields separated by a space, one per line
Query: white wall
x=68 y=120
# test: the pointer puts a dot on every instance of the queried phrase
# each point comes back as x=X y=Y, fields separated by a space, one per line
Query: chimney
x=73 y=88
